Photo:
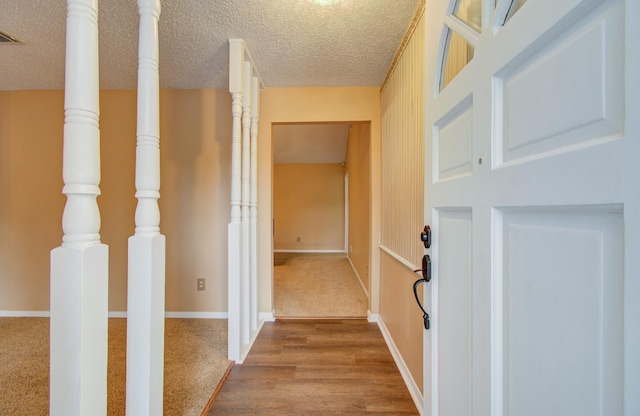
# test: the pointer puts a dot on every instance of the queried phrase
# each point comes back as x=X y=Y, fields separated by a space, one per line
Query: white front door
x=533 y=195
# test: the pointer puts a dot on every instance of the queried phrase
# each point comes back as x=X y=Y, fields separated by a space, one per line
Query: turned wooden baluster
x=146 y=282
x=79 y=267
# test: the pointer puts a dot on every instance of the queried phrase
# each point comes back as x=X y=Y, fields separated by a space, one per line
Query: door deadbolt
x=425 y=236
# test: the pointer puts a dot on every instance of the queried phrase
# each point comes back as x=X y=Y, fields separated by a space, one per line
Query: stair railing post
x=79 y=267
x=146 y=271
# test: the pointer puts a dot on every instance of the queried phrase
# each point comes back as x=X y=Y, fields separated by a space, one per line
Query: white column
x=79 y=267
x=253 y=216
x=245 y=263
x=236 y=59
x=146 y=282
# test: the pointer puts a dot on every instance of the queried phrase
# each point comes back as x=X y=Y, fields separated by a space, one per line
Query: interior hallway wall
x=31 y=201
x=358 y=165
x=195 y=147
x=308 y=203
x=402 y=108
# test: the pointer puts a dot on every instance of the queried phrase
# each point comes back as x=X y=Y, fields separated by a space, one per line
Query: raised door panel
x=559 y=311
x=455 y=321
x=565 y=95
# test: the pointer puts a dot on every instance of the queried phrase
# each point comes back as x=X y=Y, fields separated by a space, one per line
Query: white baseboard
x=372 y=317
x=197 y=315
x=402 y=366
x=247 y=347
x=366 y=292
x=267 y=316
x=309 y=251
x=25 y=314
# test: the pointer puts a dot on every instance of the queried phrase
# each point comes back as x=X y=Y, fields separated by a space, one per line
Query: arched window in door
x=461 y=30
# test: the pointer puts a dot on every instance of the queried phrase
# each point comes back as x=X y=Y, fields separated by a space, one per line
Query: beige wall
x=401 y=314
x=194 y=205
x=31 y=202
x=308 y=203
x=117 y=202
x=402 y=108
x=315 y=104
x=358 y=166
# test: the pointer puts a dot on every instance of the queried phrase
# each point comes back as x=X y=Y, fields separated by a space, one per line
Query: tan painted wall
x=30 y=200
x=401 y=314
x=308 y=203
x=402 y=108
x=358 y=165
x=194 y=205
x=314 y=104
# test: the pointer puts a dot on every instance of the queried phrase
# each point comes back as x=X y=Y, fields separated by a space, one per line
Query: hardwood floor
x=316 y=367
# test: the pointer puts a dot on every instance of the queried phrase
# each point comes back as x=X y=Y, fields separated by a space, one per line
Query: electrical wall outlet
x=201 y=285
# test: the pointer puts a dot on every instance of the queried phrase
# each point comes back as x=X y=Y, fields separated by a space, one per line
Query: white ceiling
x=292 y=42
x=310 y=143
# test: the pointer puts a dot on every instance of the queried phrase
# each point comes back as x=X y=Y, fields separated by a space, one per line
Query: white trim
x=309 y=251
x=267 y=316
x=402 y=366
x=25 y=314
x=247 y=347
x=358 y=276
x=372 y=317
x=398 y=258
x=118 y=314
x=247 y=55
x=197 y=315
x=346 y=208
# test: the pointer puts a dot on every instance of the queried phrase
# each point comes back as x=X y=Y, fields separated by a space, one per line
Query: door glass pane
x=458 y=53
x=515 y=6
x=470 y=11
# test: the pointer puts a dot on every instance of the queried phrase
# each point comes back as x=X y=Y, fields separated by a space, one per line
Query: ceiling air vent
x=7 y=38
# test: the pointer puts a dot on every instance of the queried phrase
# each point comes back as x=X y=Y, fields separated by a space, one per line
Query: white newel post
x=253 y=216
x=146 y=281
x=236 y=59
x=79 y=267
x=245 y=263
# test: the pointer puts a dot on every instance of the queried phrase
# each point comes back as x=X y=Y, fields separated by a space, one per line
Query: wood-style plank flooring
x=316 y=367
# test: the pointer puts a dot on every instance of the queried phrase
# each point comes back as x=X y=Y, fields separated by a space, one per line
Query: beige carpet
x=317 y=285
x=195 y=362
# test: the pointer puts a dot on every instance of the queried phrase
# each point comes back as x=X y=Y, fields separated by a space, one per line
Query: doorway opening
x=321 y=224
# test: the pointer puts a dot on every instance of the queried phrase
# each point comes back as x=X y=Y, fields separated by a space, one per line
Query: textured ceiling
x=292 y=42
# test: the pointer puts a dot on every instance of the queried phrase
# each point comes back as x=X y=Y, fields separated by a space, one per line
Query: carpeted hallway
x=317 y=285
